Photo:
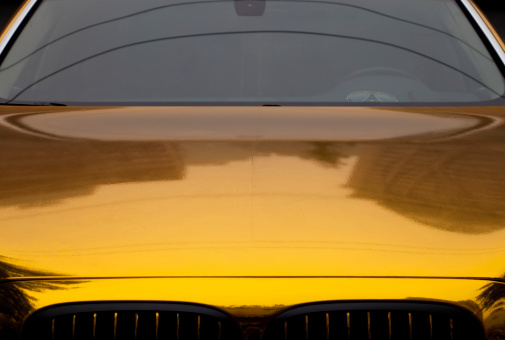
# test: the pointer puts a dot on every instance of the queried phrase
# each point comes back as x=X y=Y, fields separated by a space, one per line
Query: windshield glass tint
x=265 y=52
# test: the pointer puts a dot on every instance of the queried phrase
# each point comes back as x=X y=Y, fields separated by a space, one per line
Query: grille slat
x=199 y=325
x=369 y=326
x=94 y=326
x=74 y=319
x=327 y=317
x=375 y=321
x=306 y=327
x=431 y=327
x=178 y=329
x=390 y=333
x=136 y=325
x=115 y=326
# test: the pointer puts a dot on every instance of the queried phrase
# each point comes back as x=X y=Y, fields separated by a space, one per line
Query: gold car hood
x=246 y=191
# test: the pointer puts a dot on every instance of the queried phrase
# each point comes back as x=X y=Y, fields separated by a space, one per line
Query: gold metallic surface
x=427 y=204
x=410 y=209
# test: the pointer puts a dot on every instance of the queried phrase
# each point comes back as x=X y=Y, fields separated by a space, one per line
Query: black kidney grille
x=375 y=321
x=130 y=321
x=322 y=321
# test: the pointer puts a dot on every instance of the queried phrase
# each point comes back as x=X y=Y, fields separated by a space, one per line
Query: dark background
x=6 y=9
x=494 y=9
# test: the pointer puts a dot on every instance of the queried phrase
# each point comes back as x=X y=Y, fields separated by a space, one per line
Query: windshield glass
x=270 y=52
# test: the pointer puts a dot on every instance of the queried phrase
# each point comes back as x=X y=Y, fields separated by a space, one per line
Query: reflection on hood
x=451 y=186
x=15 y=299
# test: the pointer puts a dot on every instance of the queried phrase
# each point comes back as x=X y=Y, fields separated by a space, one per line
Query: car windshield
x=274 y=52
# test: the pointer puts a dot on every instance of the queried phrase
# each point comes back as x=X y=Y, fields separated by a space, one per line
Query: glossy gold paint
x=345 y=213
x=420 y=193
x=247 y=224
